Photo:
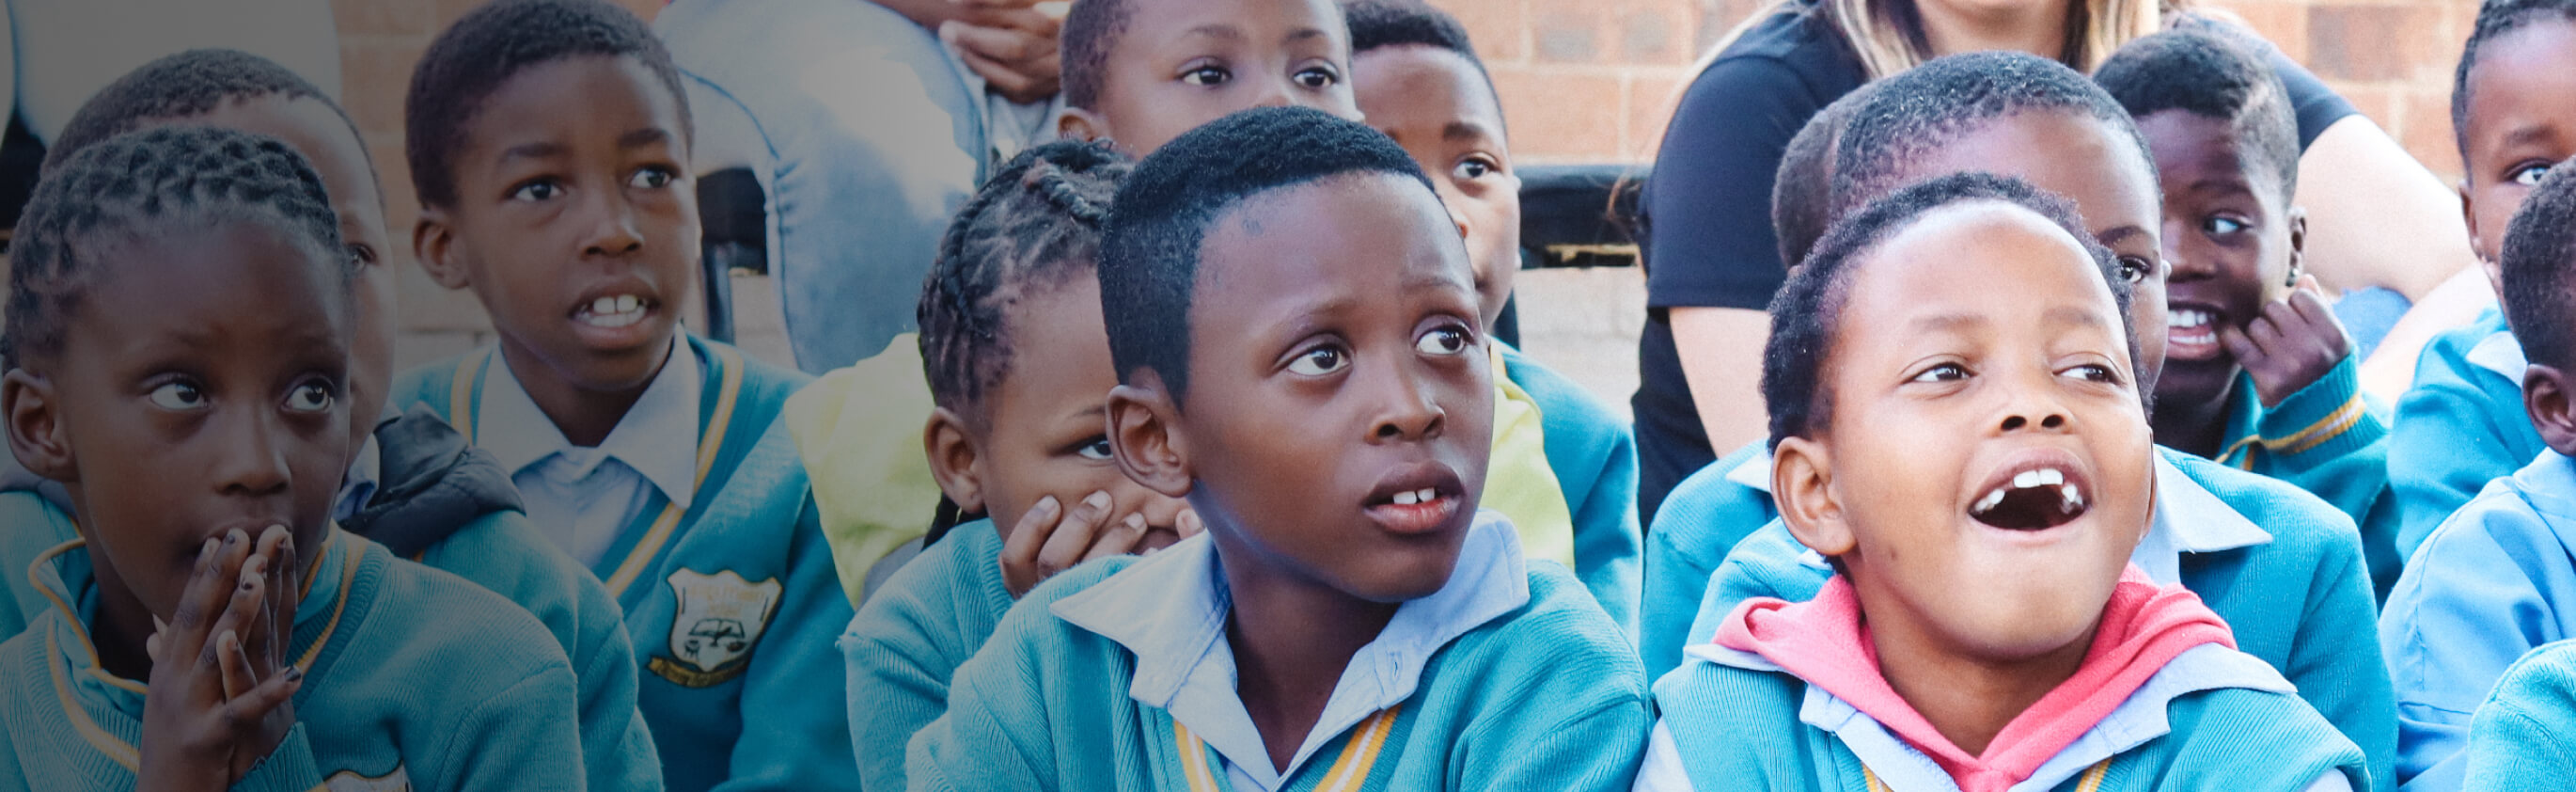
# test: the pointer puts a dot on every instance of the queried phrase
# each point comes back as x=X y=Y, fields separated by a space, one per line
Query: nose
x=1407 y=408
x=2180 y=266
x=2032 y=405
x=612 y=231
x=252 y=462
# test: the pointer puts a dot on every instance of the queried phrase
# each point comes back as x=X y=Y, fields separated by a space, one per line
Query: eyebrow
x=2527 y=133
x=540 y=150
x=1302 y=34
x=1465 y=131
x=648 y=136
x=1950 y=323
x=1215 y=30
x=2114 y=236
x=2071 y=315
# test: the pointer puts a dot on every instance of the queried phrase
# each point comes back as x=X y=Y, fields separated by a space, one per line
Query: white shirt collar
x=2500 y=353
x=658 y=437
x=1171 y=610
x=2189 y=518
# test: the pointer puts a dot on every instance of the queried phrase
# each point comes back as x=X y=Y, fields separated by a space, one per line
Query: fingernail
x=258 y=566
x=1136 y=521
x=1098 y=500
x=235 y=536
x=294 y=673
x=1046 y=504
x=157 y=624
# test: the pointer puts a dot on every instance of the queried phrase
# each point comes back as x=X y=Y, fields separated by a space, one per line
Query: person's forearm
x=1721 y=352
x=2458 y=301
x=926 y=13
x=2376 y=217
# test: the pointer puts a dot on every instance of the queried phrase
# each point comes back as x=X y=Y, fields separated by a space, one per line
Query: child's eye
x=1473 y=168
x=2094 y=372
x=310 y=397
x=1317 y=78
x=1443 y=341
x=1207 y=76
x=362 y=254
x=178 y=396
x=2223 y=225
x=1320 y=361
x=2134 y=269
x=1946 y=372
x=1096 y=449
x=653 y=178
x=539 y=190
x=2529 y=176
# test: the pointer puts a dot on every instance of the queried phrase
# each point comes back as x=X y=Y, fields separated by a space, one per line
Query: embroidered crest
x=716 y=622
x=350 y=781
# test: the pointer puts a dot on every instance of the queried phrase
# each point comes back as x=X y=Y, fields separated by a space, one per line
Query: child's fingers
x=2244 y=350
x=1072 y=538
x=1030 y=533
x=2312 y=310
x=201 y=602
x=1188 y=524
x=234 y=662
x=244 y=713
x=242 y=613
x=284 y=587
x=1120 y=539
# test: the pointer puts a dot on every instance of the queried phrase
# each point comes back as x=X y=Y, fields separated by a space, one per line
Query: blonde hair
x=1887 y=35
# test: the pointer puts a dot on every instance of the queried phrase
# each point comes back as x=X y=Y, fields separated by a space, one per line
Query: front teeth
x=2186 y=318
x=617 y=311
x=1417 y=497
x=2069 y=497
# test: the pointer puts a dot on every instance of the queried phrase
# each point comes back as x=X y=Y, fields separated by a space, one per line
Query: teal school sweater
x=2329 y=441
x=2460 y=426
x=909 y=639
x=1742 y=723
x=2300 y=602
x=1594 y=455
x=1548 y=696
x=2525 y=734
x=732 y=604
x=414 y=679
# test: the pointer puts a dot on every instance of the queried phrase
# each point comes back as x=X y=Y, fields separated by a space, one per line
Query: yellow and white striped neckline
x=1349 y=771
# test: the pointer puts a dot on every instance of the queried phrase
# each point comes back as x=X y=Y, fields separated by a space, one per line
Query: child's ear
x=2469 y=213
x=954 y=460
x=1078 y=124
x=1802 y=484
x=1146 y=440
x=35 y=428
x=433 y=244
x=2298 y=217
x=2545 y=397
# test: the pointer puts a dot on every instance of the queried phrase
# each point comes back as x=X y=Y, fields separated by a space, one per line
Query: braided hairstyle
x=126 y=188
x=1032 y=227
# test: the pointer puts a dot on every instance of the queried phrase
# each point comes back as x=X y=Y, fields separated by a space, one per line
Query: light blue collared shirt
x=2500 y=353
x=1171 y=609
x=582 y=498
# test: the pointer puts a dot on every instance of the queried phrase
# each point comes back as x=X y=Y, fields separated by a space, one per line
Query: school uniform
x=413 y=679
x=2520 y=738
x=904 y=645
x=1564 y=470
x=2162 y=702
x=2489 y=584
x=2284 y=570
x=717 y=558
x=2460 y=426
x=1118 y=675
x=2327 y=440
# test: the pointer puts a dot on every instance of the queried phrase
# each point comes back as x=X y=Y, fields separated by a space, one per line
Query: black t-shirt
x=1709 y=240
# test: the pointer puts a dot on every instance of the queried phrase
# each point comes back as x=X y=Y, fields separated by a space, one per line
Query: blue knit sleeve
x=795 y=730
x=1699 y=523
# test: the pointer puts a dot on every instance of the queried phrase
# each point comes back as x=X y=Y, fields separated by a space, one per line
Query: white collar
x=1171 y=611
x=658 y=437
x=2189 y=518
x=2499 y=352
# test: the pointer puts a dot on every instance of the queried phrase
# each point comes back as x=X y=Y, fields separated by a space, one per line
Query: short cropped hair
x=1377 y=24
x=1149 y=263
x=2495 y=19
x=1034 y=226
x=490 y=45
x=1091 y=29
x=185 y=85
x=2215 y=76
x=2539 y=254
x=1802 y=188
x=1807 y=312
x=1930 y=106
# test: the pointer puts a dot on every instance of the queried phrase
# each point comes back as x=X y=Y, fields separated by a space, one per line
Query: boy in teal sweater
x=2462 y=423
x=549 y=146
x=2520 y=738
x=1979 y=470
x=413 y=484
x=209 y=628
x=1296 y=331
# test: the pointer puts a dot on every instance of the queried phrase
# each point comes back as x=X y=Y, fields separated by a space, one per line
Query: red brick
x=1718 y=17
x=1650 y=108
x=1658 y=32
x=1500 y=28
x=374 y=73
x=2379 y=42
x=1569 y=31
x=2426 y=133
x=2285 y=24
x=1558 y=117
x=384 y=17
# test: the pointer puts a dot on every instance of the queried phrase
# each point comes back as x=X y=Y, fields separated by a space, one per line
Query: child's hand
x=1049 y=540
x=1013 y=48
x=2292 y=345
x=221 y=694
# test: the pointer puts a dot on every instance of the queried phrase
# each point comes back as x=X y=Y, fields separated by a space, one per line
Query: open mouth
x=614 y=311
x=2032 y=499
x=2191 y=331
x=1417 y=500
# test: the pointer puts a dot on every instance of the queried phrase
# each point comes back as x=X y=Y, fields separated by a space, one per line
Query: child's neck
x=1967 y=699
x=585 y=416
x=2196 y=427
x=121 y=627
x=1287 y=665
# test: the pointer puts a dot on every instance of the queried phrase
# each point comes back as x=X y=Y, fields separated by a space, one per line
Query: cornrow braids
x=1032 y=227
x=127 y=186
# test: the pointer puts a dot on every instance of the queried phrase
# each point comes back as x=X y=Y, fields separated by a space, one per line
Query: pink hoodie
x=1821 y=641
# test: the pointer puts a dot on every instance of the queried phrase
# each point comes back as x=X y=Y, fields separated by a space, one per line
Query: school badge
x=350 y=781
x=717 y=621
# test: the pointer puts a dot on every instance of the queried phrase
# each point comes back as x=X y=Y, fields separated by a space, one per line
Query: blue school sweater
x=911 y=637
x=2460 y=426
x=2212 y=719
x=2489 y=584
x=731 y=603
x=2299 y=601
x=1545 y=694
x=2525 y=734
x=2329 y=441
x=1593 y=455
x=414 y=679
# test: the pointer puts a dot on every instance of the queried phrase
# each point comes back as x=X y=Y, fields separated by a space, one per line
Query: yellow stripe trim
x=71 y=617
x=460 y=393
x=106 y=743
x=2327 y=428
x=1871 y=779
x=2093 y=778
x=339 y=606
x=708 y=444
x=1360 y=755
x=1194 y=760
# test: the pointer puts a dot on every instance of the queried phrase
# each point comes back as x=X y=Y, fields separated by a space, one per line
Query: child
x=2462 y=425
x=1979 y=470
x=1299 y=343
x=413 y=485
x=1140 y=72
x=2258 y=372
x=1010 y=319
x=548 y=142
x=2518 y=741
x=1564 y=468
x=2282 y=567
x=209 y=405
x=2494 y=580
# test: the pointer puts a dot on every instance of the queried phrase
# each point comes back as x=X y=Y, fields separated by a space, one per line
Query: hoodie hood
x=433 y=483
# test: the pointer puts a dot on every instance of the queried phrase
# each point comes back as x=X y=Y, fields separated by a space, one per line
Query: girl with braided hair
x=179 y=328
x=1017 y=357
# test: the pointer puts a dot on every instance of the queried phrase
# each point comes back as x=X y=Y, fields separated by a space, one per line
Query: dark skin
x=2520 y=124
x=201 y=430
x=576 y=226
x=1946 y=392
x=1436 y=105
x=1183 y=63
x=1337 y=358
